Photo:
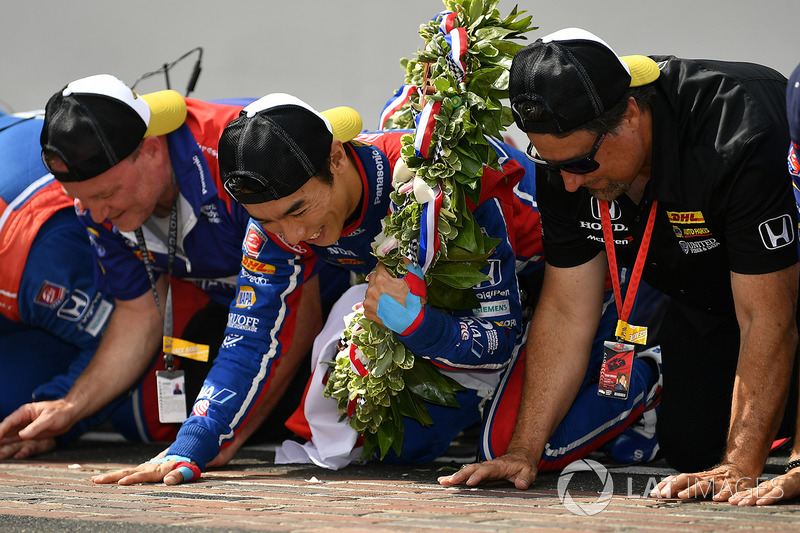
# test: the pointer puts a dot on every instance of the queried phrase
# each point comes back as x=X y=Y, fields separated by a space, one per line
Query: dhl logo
x=347 y=261
x=688 y=217
x=257 y=266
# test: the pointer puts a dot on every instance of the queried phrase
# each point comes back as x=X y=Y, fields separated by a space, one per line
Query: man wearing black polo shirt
x=679 y=164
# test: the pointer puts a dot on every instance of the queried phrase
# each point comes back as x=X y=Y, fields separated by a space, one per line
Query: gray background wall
x=338 y=52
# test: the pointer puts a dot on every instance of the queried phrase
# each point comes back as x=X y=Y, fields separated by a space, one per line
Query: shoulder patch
x=50 y=295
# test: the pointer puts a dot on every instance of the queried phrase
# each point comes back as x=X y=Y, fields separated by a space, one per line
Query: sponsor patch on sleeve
x=254 y=241
x=246 y=297
x=257 y=266
x=50 y=295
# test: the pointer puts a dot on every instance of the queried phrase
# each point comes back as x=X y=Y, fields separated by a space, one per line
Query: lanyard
x=172 y=246
x=636 y=276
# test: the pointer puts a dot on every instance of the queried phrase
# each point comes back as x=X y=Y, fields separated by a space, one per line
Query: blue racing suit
x=259 y=322
x=51 y=313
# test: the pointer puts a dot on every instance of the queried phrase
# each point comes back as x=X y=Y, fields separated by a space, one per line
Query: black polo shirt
x=725 y=200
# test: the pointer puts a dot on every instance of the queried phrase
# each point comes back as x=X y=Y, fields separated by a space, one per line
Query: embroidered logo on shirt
x=614 y=210
x=686 y=217
x=689 y=233
x=243 y=322
x=74 y=308
x=50 y=294
x=254 y=241
x=777 y=232
x=257 y=266
x=696 y=247
x=246 y=297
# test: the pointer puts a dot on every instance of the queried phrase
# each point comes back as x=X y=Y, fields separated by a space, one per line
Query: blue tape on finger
x=186 y=472
x=189 y=471
x=178 y=458
x=397 y=317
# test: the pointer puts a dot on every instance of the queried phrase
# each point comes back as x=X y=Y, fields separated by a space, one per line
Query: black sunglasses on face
x=577 y=165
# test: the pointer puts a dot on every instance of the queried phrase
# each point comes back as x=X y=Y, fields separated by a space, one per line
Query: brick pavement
x=54 y=493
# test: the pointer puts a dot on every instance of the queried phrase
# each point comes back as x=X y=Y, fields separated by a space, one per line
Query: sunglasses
x=577 y=165
x=249 y=188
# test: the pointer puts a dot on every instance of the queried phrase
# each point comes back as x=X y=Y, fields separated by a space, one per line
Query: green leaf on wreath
x=458 y=275
x=385 y=438
x=442 y=296
x=412 y=407
x=425 y=381
x=382 y=363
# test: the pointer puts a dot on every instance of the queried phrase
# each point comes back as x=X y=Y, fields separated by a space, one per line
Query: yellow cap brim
x=345 y=122
x=643 y=70
x=167 y=112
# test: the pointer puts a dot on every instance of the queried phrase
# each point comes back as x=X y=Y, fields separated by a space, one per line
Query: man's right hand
x=37 y=420
x=514 y=467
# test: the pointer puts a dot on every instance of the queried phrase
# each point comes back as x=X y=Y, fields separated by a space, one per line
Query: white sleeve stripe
x=266 y=357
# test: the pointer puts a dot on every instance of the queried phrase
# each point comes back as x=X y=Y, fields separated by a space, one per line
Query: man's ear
x=339 y=159
x=155 y=149
x=633 y=114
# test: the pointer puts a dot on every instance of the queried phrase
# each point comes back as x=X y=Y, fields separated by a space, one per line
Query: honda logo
x=777 y=232
x=75 y=306
x=614 y=211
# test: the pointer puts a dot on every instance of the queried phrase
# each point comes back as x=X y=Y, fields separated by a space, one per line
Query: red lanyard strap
x=636 y=276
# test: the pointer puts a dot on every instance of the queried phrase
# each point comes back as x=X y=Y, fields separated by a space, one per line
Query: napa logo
x=246 y=298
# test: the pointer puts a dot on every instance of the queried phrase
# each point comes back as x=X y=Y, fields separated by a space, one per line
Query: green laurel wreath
x=396 y=383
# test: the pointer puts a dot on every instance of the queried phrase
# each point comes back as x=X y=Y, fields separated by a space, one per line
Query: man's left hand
x=780 y=488
x=717 y=484
x=395 y=302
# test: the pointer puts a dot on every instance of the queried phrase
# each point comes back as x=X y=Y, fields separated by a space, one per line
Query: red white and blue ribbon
x=457 y=40
x=423 y=136
x=447 y=22
x=395 y=103
x=356 y=361
x=429 y=229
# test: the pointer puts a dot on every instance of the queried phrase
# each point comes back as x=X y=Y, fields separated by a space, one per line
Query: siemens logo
x=494 y=308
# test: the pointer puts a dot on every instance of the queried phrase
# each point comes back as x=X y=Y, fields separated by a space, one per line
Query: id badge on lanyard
x=170 y=383
x=615 y=372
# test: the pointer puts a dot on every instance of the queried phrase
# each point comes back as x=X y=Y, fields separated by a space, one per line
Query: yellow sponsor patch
x=185 y=349
x=246 y=297
x=686 y=217
x=257 y=266
x=631 y=333
x=348 y=261
x=697 y=232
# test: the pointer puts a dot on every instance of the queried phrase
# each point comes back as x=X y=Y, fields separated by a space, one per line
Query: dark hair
x=325 y=175
x=607 y=122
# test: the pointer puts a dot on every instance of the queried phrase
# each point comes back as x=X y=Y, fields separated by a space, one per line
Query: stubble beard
x=611 y=191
